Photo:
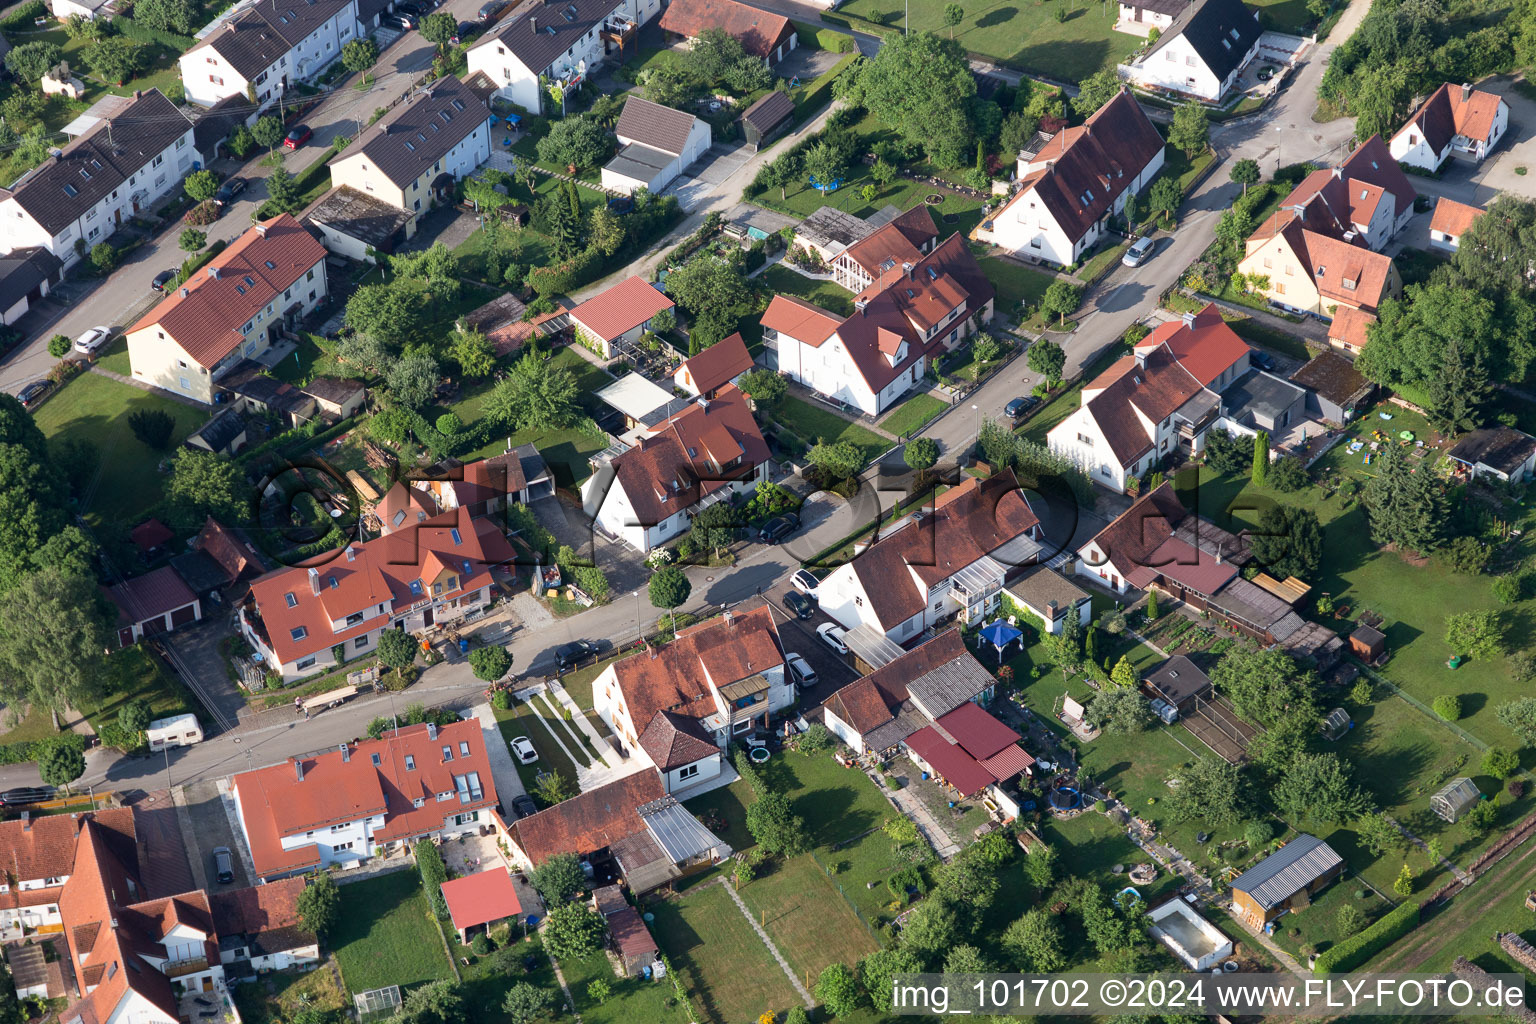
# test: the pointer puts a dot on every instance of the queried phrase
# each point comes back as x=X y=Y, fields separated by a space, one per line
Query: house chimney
x=535 y=23
x=298 y=767
x=1189 y=319
x=906 y=268
x=26 y=821
x=213 y=272
x=1466 y=92
x=261 y=229
x=432 y=731
x=730 y=617
x=185 y=292
x=74 y=820
x=230 y=26
x=314 y=581
x=346 y=753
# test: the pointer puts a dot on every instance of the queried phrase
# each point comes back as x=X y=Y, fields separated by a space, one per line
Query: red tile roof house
x=154 y=603
x=1159 y=400
x=950 y=562
x=1450 y=222
x=365 y=799
x=761 y=33
x=39 y=856
x=1070 y=190
x=875 y=713
x=259 y=928
x=1349 y=330
x=1366 y=200
x=647 y=494
x=483 y=486
x=438 y=571
x=680 y=704
x=714 y=368
x=628 y=829
x=1455 y=120
x=915 y=308
x=230 y=310
x=617 y=317
x=906 y=239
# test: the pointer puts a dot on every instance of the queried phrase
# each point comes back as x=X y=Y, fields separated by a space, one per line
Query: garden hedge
x=1357 y=949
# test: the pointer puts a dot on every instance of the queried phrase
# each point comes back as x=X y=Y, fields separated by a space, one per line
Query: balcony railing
x=178 y=968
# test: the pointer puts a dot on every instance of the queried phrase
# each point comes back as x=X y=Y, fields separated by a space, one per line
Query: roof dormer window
x=293 y=602
x=410 y=762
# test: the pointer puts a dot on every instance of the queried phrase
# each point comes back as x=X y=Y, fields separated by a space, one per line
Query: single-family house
x=1140 y=17
x=1051 y=597
x=26 y=276
x=1502 y=453
x=432 y=572
x=1201 y=53
x=761 y=33
x=1456 y=119
x=259 y=928
x=1349 y=330
x=903 y=240
x=656 y=144
x=128 y=152
x=970 y=751
x=944 y=562
x=647 y=493
x=877 y=712
x=617 y=317
x=1310 y=271
x=232 y=309
x=683 y=703
x=478 y=901
x=722 y=363
x=1336 y=391
x=1285 y=880
x=412 y=156
x=365 y=799
x=1073 y=186
x=1367 y=199
x=557 y=46
x=157 y=602
x=1158 y=401
x=481 y=487
x=911 y=313
x=766 y=119
x=1450 y=221
x=828 y=231
x=39 y=856
x=259 y=50
x=628 y=830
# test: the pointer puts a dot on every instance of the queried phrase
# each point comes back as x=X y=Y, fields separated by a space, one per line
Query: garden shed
x=1454 y=799
x=1368 y=644
x=1335 y=724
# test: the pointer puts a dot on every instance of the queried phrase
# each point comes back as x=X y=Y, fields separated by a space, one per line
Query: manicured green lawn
x=910 y=416
x=1016 y=284
x=1024 y=34
x=811 y=424
x=94 y=409
x=521 y=722
x=1317 y=926
x=630 y=1000
x=728 y=972
x=386 y=934
x=115 y=357
x=798 y=906
x=1249 y=329
x=135 y=674
x=787 y=281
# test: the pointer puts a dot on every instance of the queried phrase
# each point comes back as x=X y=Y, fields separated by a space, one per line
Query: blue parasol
x=999 y=634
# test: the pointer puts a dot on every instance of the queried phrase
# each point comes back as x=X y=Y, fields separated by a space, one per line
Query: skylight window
x=1226 y=45
x=377 y=760
x=410 y=762
x=271 y=265
x=299 y=632
x=293 y=602
x=71 y=191
x=1235 y=36
x=240 y=288
x=458 y=538
x=85 y=174
x=416 y=587
x=458 y=104
x=250 y=282
x=410 y=145
x=332 y=581
x=447 y=117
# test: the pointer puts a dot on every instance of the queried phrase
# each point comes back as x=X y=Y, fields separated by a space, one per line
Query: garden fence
x=856 y=911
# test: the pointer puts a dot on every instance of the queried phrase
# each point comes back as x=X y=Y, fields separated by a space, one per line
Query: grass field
x=811 y=424
x=293 y=992
x=1016 y=286
x=94 y=410
x=728 y=972
x=135 y=674
x=386 y=935
x=523 y=722
x=912 y=415
x=787 y=281
x=630 y=1000
x=800 y=910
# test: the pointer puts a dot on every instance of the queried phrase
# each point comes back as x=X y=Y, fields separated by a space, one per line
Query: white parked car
x=834 y=636
x=803 y=673
x=522 y=749
x=92 y=340
x=1139 y=252
x=805 y=582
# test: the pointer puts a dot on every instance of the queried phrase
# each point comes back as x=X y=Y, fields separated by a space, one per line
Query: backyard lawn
x=811 y=424
x=386 y=935
x=829 y=296
x=1016 y=285
x=521 y=721
x=912 y=415
x=94 y=410
x=630 y=1000
x=135 y=674
x=292 y=992
x=799 y=908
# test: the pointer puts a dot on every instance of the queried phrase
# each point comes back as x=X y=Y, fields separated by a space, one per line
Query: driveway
x=711 y=171
x=205 y=826
x=195 y=656
x=165 y=870
x=624 y=566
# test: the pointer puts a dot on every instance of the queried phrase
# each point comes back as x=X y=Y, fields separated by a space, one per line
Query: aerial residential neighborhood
x=707 y=511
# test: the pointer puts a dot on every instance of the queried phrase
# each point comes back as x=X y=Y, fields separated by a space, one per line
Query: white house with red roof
x=365 y=799
x=1160 y=399
x=648 y=493
x=436 y=572
x=950 y=561
x=618 y=316
x=1450 y=221
x=1075 y=184
x=1455 y=120
x=905 y=239
x=230 y=310
x=681 y=704
x=909 y=313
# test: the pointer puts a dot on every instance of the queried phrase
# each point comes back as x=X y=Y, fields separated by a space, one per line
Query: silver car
x=1139 y=252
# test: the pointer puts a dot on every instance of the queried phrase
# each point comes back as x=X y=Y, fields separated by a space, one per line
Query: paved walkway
x=509 y=784
x=810 y=1002
x=910 y=804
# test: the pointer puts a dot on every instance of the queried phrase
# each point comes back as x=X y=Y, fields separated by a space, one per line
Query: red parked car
x=297 y=136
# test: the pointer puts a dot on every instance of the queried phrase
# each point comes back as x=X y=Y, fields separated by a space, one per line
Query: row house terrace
x=413 y=579
x=261 y=48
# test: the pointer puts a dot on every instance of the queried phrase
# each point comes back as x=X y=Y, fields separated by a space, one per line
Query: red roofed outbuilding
x=618 y=316
x=761 y=33
x=480 y=900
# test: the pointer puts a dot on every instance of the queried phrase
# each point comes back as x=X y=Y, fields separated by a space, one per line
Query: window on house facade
x=305 y=663
x=687 y=771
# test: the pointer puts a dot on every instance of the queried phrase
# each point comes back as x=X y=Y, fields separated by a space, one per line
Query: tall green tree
x=1190 y=130
x=201 y=186
x=1260 y=458
x=1209 y=789
x=1440 y=338
x=920 y=86
x=203 y=484
x=319 y=905
x=776 y=828
x=179 y=16
x=573 y=931
x=1047 y=358
x=359 y=55
x=1289 y=540
x=1320 y=788
x=559 y=878
x=31 y=61
x=535 y=395
x=1404 y=505
x=54 y=626
x=1095 y=91
x=1035 y=944
x=1245 y=172
x=575 y=142
x=669 y=587
x=954 y=14
x=60 y=760
x=1061 y=299
x=439 y=27
x=268 y=131
x=715 y=294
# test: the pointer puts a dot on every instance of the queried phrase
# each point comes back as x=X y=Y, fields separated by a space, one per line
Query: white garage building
x=656 y=144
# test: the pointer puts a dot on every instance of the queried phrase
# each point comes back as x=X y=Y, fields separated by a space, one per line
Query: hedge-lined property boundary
x=1357 y=949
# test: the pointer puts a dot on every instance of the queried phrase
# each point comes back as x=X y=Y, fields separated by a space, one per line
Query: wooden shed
x=1368 y=643
x=1285 y=880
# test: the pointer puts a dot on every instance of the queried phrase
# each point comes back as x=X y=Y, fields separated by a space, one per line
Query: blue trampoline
x=818 y=186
